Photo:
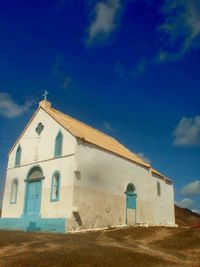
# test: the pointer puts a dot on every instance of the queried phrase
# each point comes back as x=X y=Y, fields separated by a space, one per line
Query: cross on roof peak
x=46 y=93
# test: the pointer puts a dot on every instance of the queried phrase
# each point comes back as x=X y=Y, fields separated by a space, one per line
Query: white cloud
x=10 y=109
x=192 y=188
x=187 y=132
x=185 y=203
x=141 y=155
x=105 y=20
x=182 y=28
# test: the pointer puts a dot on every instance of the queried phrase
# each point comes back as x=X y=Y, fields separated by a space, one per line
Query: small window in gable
x=39 y=128
x=55 y=186
x=158 y=189
x=58 y=144
x=14 y=189
x=18 y=156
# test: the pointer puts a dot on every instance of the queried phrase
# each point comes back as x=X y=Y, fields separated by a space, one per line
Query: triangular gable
x=88 y=134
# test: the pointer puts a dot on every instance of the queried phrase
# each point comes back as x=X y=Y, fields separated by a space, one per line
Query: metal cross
x=45 y=94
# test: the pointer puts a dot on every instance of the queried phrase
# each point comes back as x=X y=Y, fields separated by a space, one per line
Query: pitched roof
x=93 y=136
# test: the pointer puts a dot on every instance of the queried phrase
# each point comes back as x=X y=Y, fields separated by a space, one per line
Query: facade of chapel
x=64 y=175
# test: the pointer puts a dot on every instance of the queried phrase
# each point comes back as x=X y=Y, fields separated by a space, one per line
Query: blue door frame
x=33 y=192
x=130 y=200
x=130 y=203
x=33 y=198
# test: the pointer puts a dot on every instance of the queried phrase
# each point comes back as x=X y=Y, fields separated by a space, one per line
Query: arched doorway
x=33 y=191
x=130 y=204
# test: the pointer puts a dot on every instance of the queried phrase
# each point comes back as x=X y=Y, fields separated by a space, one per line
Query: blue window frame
x=14 y=190
x=58 y=144
x=55 y=186
x=18 y=156
x=158 y=189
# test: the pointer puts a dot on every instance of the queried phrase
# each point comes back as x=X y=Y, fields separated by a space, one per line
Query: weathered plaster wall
x=99 y=198
x=40 y=151
x=94 y=209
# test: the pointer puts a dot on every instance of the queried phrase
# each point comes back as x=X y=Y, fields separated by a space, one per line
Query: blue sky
x=128 y=68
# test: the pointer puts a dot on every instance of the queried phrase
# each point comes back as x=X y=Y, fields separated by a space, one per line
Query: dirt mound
x=185 y=217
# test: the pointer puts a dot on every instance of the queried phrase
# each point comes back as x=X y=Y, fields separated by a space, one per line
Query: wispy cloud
x=185 y=203
x=192 y=188
x=139 y=69
x=187 y=132
x=10 y=109
x=64 y=81
x=105 y=20
x=107 y=126
x=132 y=72
x=141 y=155
x=178 y=34
x=181 y=29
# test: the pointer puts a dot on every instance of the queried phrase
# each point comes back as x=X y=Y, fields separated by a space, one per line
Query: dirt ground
x=133 y=246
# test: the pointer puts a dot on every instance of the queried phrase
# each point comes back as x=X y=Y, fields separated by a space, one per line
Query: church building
x=64 y=175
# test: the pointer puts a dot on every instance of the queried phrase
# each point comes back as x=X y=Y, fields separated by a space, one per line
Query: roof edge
x=27 y=125
x=46 y=106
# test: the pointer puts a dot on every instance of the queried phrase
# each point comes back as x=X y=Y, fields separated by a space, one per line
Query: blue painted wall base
x=34 y=224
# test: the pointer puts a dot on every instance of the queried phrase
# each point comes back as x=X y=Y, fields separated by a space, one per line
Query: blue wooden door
x=130 y=208
x=33 y=198
x=130 y=200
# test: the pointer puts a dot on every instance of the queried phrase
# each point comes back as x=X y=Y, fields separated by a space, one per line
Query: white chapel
x=64 y=175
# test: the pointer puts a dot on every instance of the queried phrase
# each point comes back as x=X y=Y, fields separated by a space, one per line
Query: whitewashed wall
x=41 y=148
x=96 y=196
x=99 y=191
x=40 y=151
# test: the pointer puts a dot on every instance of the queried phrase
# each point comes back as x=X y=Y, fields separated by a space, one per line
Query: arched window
x=18 y=156
x=55 y=186
x=158 y=189
x=35 y=173
x=58 y=144
x=14 y=189
x=130 y=189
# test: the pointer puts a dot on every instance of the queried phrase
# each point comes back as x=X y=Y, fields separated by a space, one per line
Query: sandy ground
x=113 y=247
